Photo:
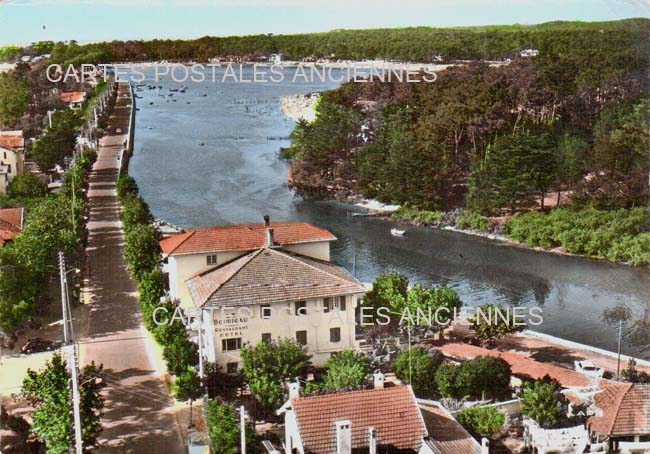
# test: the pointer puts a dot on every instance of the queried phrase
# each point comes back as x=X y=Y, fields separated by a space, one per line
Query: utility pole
x=242 y=423
x=64 y=298
x=72 y=361
x=620 y=336
x=200 y=335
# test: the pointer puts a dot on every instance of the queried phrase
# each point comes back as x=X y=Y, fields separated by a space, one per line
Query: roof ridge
x=190 y=232
x=352 y=391
x=618 y=406
x=249 y=257
x=292 y=256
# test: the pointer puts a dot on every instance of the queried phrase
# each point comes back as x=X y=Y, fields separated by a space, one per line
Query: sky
x=25 y=21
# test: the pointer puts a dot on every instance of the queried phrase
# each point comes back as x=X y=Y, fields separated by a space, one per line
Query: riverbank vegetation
x=567 y=128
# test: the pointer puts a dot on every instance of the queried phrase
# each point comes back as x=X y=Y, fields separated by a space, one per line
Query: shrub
x=417 y=216
x=619 y=235
x=481 y=421
x=472 y=220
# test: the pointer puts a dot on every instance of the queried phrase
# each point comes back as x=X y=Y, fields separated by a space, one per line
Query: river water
x=209 y=156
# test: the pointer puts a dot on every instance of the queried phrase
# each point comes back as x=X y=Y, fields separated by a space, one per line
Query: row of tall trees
x=411 y=43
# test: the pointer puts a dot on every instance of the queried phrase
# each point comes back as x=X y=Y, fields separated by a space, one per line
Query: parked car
x=588 y=368
x=39 y=344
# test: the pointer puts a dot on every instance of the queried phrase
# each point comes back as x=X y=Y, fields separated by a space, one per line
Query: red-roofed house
x=12 y=157
x=257 y=282
x=379 y=420
x=11 y=222
x=73 y=99
x=197 y=250
x=622 y=417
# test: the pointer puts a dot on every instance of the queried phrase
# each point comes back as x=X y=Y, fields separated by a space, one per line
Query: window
x=301 y=337
x=338 y=302
x=335 y=334
x=231 y=368
x=265 y=311
x=266 y=338
x=301 y=307
x=211 y=259
x=228 y=345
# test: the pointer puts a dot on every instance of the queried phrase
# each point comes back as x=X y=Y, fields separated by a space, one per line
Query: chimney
x=294 y=389
x=343 y=437
x=268 y=232
x=372 y=440
x=485 y=446
x=269 y=241
x=378 y=380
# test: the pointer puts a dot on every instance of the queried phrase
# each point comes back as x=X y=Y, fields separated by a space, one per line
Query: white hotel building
x=253 y=282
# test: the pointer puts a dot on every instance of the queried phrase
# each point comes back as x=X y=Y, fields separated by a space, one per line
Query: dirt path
x=137 y=416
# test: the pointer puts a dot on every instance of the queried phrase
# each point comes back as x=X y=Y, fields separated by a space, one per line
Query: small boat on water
x=397 y=232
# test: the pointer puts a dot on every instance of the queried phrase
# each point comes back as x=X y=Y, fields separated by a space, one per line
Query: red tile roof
x=241 y=237
x=446 y=435
x=623 y=410
x=12 y=140
x=72 y=96
x=11 y=222
x=270 y=276
x=521 y=363
x=392 y=411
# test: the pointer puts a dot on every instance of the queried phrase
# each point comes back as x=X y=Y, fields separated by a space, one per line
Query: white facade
x=321 y=331
x=12 y=164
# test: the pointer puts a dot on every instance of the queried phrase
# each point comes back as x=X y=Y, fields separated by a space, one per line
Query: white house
x=12 y=157
x=259 y=282
x=197 y=250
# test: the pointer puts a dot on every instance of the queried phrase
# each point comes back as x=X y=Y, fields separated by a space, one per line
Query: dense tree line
x=570 y=124
x=410 y=43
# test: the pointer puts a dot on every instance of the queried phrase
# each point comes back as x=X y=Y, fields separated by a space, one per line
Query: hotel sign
x=231 y=327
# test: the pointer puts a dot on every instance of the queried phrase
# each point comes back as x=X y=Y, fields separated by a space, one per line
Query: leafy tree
x=266 y=365
x=58 y=141
x=141 y=249
x=188 y=386
x=481 y=421
x=417 y=366
x=180 y=353
x=492 y=322
x=26 y=185
x=18 y=291
x=346 y=370
x=482 y=377
x=440 y=301
x=543 y=402
x=48 y=392
x=389 y=290
x=445 y=379
x=221 y=426
x=13 y=99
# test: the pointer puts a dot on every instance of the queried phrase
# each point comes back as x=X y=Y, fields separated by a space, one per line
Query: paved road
x=137 y=416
